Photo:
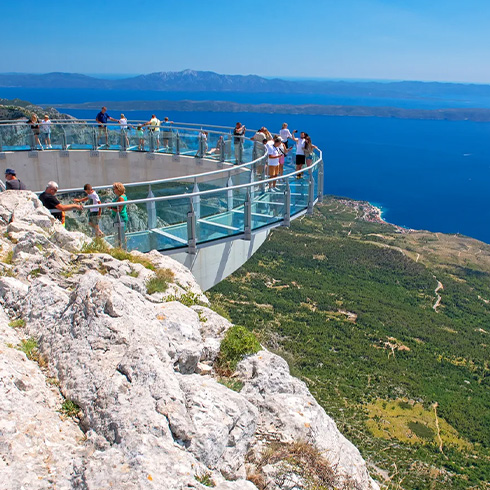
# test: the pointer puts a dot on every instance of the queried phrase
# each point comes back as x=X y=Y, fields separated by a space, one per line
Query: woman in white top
x=46 y=131
x=300 y=151
x=274 y=155
x=123 y=122
x=285 y=134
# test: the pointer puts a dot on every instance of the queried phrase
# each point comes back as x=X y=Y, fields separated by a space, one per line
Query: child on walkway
x=93 y=213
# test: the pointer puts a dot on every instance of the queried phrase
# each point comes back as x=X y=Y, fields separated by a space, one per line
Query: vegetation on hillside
x=352 y=305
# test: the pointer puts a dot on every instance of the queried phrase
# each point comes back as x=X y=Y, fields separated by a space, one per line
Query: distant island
x=207 y=81
x=478 y=115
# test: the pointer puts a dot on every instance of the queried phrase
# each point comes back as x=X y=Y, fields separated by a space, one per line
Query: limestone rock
x=130 y=360
x=289 y=413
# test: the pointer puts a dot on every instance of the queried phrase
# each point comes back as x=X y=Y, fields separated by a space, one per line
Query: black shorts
x=286 y=143
x=93 y=217
x=300 y=160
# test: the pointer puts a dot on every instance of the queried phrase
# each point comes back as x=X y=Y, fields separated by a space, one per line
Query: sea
x=423 y=174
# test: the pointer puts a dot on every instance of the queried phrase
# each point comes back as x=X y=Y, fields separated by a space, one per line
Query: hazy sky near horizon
x=444 y=40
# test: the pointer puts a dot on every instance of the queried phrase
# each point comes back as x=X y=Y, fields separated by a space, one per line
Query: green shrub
x=35 y=272
x=20 y=322
x=30 y=348
x=187 y=299
x=70 y=408
x=121 y=254
x=8 y=259
x=96 y=246
x=205 y=479
x=159 y=282
x=231 y=383
x=237 y=343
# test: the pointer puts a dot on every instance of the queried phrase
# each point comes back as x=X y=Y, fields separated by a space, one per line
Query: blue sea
x=431 y=175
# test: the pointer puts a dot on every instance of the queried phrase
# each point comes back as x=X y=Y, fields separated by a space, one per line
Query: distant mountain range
x=207 y=81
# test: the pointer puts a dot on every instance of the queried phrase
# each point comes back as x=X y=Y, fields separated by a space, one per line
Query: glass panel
x=220 y=215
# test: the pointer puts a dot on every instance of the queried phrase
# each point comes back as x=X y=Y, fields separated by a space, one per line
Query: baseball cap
x=10 y=171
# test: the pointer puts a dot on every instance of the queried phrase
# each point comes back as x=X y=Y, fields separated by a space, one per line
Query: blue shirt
x=102 y=117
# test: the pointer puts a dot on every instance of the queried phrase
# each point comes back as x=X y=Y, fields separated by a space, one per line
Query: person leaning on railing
x=50 y=201
x=102 y=118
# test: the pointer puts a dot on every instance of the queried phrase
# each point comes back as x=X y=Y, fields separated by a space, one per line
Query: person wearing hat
x=12 y=182
x=50 y=201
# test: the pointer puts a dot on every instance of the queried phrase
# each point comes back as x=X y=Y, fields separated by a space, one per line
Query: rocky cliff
x=80 y=335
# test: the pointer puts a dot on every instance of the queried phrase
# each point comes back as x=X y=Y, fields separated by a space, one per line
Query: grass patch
x=9 y=258
x=35 y=272
x=188 y=299
x=303 y=460
x=133 y=274
x=159 y=282
x=410 y=423
x=19 y=323
x=7 y=272
x=205 y=479
x=121 y=254
x=30 y=348
x=96 y=246
x=99 y=245
x=69 y=408
x=231 y=383
x=237 y=343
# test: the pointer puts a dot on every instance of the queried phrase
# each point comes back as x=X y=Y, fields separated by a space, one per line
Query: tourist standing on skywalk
x=300 y=151
x=46 y=131
x=285 y=134
x=102 y=118
x=239 y=136
x=154 y=124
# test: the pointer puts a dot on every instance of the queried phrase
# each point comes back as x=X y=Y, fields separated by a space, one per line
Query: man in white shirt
x=154 y=124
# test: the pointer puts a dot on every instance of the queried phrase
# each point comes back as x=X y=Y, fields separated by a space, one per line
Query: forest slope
x=353 y=305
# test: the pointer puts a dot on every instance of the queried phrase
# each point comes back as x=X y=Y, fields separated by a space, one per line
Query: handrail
x=170 y=179
x=206 y=192
x=172 y=125
x=197 y=128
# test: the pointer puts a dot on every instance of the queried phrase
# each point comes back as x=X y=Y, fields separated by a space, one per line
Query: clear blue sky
x=447 y=40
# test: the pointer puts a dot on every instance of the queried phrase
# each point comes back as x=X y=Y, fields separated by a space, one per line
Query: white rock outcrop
x=139 y=367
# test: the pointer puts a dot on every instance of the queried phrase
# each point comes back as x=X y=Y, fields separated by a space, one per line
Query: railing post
x=152 y=141
x=95 y=142
x=151 y=209
x=252 y=187
x=63 y=139
x=196 y=200
x=124 y=145
x=287 y=205
x=222 y=155
x=320 y=181
x=229 y=193
x=311 y=191
x=247 y=224
x=191 y=231
x=177 y=144
x=120 y=231
x=201 y=144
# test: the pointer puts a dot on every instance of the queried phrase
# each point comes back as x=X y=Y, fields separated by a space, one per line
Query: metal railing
x=237 y=201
